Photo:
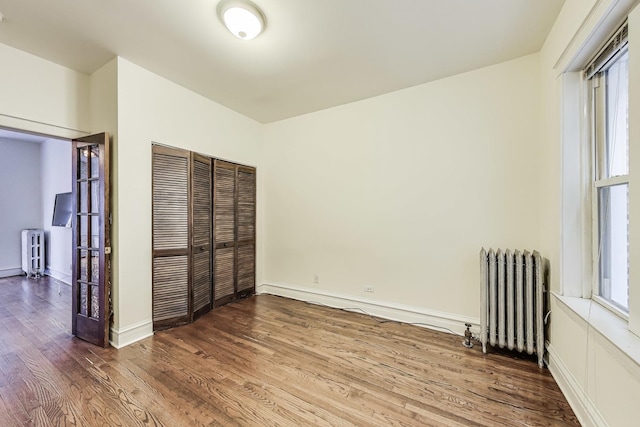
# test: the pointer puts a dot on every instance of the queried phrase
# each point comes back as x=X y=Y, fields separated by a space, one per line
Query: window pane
x=613 y=247
x=616 y=161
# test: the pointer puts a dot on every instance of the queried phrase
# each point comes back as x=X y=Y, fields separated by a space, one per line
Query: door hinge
x=110 y=218
x=107 y=250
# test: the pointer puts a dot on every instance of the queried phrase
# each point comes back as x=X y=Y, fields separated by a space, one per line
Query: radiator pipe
x=468 y=335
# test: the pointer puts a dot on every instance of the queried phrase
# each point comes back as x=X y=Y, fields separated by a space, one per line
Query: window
x=608 y=79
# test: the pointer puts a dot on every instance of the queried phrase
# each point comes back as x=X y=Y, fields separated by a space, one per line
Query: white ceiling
x=313 y=55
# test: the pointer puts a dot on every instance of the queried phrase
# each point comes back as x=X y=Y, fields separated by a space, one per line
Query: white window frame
x=596 y=112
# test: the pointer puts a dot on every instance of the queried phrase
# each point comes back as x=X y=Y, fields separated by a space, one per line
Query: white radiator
x=33 y=252
x=512 y=301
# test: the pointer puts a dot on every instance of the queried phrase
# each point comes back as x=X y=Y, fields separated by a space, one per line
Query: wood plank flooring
x=263 y=361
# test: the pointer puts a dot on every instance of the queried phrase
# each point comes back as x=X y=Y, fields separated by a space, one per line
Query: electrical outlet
x=316 y=279
x=368 y=288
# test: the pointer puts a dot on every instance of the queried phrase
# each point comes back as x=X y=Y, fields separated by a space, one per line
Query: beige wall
x=41 y=96
x=401 y=191
x=103 y=102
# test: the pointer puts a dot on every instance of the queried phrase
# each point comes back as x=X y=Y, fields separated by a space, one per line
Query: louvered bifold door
x=201 y=234
x=246 y=231
x=224 y=232
x=171 y=302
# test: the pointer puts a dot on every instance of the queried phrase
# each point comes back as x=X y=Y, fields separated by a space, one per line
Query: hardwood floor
x=264 y=361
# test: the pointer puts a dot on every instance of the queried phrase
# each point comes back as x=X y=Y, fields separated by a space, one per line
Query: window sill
x=607 y=324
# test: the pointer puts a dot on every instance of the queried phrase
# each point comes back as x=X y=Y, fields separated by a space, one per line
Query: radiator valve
x=467 y=335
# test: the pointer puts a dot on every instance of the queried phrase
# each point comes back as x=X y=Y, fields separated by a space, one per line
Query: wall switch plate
x=316 y=279
x=368 y=288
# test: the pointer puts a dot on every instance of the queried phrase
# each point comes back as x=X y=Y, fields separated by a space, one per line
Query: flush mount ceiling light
x=242 y=18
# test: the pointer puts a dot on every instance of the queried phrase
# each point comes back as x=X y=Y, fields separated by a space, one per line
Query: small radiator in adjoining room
x=512 y=301
x=33 y=252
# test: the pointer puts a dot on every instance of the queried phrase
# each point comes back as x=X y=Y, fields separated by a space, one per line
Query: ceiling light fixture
x=243 y=18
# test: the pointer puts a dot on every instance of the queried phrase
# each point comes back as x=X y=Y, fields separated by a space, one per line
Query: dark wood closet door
x=224 y=206
x=246 y=229
x=201 y=236
x=204 y=214
x=171 y=237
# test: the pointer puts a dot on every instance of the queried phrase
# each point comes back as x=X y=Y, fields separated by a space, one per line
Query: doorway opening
x=33 y=170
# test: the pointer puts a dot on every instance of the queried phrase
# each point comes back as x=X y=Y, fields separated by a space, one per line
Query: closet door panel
x=224 y=203
x=224 y=207
x=170 y=200
x=170 y=284
x=246 y=226
x=225 y=275
x=246 y=204
x=171 y=275
x=201 y=262
x=246 y=269
x=201 y=283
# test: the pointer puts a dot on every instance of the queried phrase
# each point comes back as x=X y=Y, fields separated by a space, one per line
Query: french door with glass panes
x=91 y=239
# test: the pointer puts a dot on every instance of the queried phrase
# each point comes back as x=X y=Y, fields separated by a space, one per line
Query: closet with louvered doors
x=204 y=215
x=182 y=257
x=234 y=231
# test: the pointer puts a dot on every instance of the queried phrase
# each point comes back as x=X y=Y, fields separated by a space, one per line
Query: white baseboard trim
x=58 y=275
x=128 y=335
x=436 y=320
x=582 y=406
x=8 y=272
